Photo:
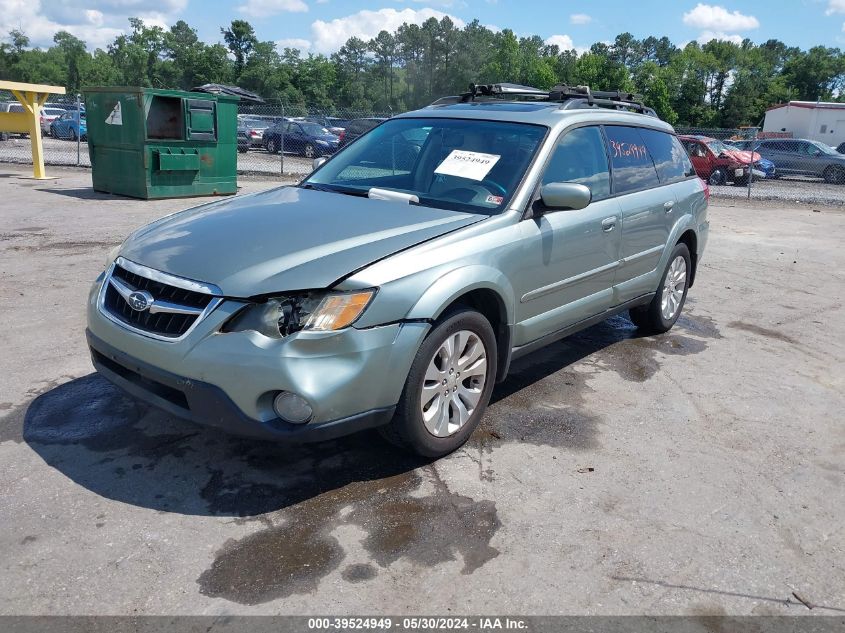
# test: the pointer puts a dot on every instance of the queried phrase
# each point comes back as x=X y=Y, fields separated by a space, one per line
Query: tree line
x=716 y=84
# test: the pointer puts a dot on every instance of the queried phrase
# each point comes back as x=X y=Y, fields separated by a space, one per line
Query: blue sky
x=321 y=26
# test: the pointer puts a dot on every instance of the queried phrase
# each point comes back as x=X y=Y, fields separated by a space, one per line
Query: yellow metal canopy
x=31 y=97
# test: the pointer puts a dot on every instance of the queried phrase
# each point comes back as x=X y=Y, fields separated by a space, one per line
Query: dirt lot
x=699 y=472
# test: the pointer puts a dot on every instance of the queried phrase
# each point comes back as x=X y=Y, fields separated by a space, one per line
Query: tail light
x=706 y=189
x=341 y=135
x=41 y=118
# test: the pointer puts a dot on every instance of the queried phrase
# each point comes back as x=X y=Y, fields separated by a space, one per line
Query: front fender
x=446 y=289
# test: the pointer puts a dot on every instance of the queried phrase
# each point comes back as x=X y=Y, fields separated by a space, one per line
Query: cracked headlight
x=317 y=311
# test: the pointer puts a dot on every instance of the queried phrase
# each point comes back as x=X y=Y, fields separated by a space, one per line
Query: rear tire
x=430 y=422
x=834 y=175
x=272 y=146
x=664 y=309
x=72 y=134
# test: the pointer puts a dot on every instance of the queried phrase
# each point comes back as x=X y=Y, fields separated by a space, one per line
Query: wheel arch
x=481 y=288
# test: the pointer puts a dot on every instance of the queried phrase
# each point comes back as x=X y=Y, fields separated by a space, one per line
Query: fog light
x=292 y=408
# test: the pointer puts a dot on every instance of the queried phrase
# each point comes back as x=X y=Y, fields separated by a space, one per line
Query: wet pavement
x=698 y=472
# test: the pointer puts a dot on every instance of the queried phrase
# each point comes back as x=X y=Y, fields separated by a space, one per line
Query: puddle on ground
x=297 y=496
x=293 y=557
x=762 y=331
x=543 y=399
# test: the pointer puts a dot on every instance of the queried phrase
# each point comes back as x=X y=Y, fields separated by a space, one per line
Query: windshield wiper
x=334 y=189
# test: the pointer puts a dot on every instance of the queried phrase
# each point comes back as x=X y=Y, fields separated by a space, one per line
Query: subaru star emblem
x=140 y=300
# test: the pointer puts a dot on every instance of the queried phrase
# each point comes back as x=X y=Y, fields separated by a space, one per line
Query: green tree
x=241 y=40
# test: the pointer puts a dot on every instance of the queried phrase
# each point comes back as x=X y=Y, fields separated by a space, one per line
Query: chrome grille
x=154 y=303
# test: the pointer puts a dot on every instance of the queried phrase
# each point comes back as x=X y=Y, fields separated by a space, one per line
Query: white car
x=48 y=115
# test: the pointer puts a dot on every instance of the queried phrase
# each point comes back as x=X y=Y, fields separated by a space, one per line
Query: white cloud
x=580 y=18
x=293 y=42
x=563 y=42
x=97 y=22
x=706 y=36
x=716 y=18
x=327 y=37
x=835 y=6
x=263 y=8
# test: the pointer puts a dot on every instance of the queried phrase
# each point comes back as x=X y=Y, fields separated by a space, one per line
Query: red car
x=718 y=163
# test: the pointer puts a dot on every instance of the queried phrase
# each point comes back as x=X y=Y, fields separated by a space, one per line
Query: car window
x=16 y=107
x=670 y=159
x=580 y=157
x=464 y=164
x=633 y=168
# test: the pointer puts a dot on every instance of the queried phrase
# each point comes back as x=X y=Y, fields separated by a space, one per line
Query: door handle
x=667 y=206
x=607 y=224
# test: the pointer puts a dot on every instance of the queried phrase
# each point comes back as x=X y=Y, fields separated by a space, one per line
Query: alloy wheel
x=454 y=383
x=673 y=288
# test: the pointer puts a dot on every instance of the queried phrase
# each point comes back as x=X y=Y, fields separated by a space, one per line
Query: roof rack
x=570 y=97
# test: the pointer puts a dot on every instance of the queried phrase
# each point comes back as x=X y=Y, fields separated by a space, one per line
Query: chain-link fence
x=276 y=140
x=747 y=163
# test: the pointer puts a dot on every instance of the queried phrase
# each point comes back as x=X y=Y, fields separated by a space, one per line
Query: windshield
x=825 y=149
x=313 y=129
x=717 y=147
x=460 y=164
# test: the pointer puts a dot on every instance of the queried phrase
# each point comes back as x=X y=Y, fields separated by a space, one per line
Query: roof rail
x=571 y=97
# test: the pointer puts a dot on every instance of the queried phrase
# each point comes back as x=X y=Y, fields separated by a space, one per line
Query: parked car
x=71 y=125
x=10 y=106
x=719 y=163
x=300 y=137
x=333 y=124
x=358 y=127
x=243 y=140
x=804 y=158
x=373 y=295
x=254 y=129
x=763 y=164
x=48 y=115
x=841 y=148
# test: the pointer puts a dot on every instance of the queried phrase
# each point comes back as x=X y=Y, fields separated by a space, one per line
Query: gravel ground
x=787 y=189
x=696 y=473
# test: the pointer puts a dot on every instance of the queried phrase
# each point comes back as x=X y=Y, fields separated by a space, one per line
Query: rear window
x=633 y=168
x=670 y=159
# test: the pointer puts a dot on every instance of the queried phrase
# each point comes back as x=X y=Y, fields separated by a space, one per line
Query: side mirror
x=318 y=162
x=565 y=195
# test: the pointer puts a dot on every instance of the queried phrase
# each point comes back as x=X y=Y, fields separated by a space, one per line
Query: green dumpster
x=149 y=143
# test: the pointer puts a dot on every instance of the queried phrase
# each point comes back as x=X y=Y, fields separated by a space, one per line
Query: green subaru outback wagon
x=393 y=286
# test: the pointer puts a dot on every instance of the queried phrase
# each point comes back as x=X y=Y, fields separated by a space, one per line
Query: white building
x=816 y=120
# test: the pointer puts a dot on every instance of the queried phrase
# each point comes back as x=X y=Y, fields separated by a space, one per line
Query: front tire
x=309 y=151
x=718 y=177
x=660 y=315
x=449 y=386
x=272 y=146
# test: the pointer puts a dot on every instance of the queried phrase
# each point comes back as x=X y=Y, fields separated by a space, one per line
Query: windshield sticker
x=497 y=200
x=471 y=165
x=116 y=117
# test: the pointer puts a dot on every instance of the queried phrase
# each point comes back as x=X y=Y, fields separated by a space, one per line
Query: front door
x=569 y=257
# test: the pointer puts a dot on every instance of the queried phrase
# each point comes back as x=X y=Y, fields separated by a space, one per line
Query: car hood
x=284 y=239
x=743 y=156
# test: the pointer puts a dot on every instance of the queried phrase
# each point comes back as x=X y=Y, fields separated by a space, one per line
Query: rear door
x=644 y=203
